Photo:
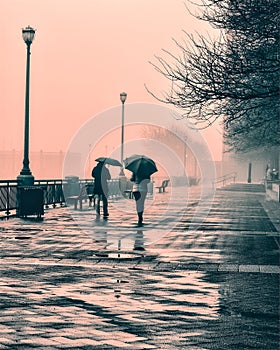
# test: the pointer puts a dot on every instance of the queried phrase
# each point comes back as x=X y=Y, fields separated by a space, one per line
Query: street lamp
x=185 y=154
x=123 y=96
x=249 y=180
x=26 y=177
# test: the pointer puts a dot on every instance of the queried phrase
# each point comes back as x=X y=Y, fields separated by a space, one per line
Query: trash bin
x=72 y=186
x=30 y=201
x=90 y=188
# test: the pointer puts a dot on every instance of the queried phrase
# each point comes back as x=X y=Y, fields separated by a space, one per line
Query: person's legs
x=105 y=205
x=140 y=199
x=98 y=204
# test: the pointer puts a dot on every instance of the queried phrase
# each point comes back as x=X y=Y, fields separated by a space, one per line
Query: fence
x=55 y=191
x=8 y=197
x=225 y=179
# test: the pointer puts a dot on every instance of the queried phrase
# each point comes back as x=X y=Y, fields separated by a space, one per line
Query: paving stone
x=228 y=268
x=249 y=268
x=165 y=266
x=269 y=269
x=190 y=266
x=208 y=267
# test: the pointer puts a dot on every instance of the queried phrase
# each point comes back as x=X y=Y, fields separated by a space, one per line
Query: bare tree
x=235 y=77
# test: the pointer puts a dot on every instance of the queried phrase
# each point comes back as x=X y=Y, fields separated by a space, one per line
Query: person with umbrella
x=142 y=168
x=101 y=177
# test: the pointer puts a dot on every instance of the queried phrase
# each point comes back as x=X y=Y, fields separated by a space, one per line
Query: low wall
x=272 y=190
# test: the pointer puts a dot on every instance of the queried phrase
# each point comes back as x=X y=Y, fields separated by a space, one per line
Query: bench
x=85 y=193
x=162 y=187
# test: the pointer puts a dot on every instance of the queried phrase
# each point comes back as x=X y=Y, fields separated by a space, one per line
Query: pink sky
x=84 y=54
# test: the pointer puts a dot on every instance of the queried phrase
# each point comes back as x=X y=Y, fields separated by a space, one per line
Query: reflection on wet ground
x=67 y=306
x=173 y=284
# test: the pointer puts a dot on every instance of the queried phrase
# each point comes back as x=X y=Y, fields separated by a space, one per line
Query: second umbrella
x=140 y=165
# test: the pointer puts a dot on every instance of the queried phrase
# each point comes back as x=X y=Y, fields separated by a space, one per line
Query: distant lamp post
x=26 y=178
x=123 y=96
x=89 y=160
x=249 y=180
x=185 y=155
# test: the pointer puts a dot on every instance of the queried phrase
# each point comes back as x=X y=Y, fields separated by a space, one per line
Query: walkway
x=194 y=277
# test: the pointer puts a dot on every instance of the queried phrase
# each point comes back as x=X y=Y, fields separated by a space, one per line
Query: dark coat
x=101 y=175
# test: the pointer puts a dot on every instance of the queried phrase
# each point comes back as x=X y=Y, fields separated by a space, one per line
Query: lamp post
x=25 y=177
x=249 y=180
x=185 y=155
x=89 y=160
x=123 y=96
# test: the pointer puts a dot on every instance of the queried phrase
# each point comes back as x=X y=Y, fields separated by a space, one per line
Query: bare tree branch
x=234 y=77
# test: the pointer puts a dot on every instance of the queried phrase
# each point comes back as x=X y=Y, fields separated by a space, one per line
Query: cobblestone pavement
x=189 y=279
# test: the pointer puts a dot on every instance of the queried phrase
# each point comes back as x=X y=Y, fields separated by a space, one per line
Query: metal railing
x=225 y=179
x=8 y=197
x=114 y=189
x=55 y=192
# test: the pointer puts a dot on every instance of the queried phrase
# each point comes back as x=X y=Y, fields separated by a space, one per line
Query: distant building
x=43 y=165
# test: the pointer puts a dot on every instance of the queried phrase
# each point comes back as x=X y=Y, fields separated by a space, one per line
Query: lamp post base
x=122 y=183
x=25 y=180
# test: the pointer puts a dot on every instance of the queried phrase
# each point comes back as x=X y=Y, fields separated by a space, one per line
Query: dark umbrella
x=140 y=165
x=107 y=160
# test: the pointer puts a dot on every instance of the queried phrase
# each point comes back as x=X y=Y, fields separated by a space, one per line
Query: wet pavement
x=201 y=274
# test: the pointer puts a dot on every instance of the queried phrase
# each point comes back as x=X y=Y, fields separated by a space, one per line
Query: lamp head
x=123 y=96
x=28 y=34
